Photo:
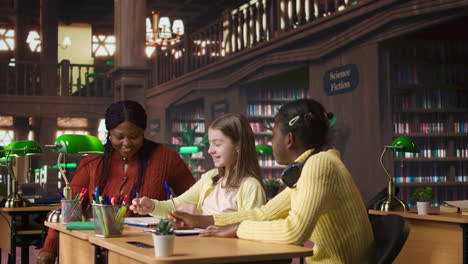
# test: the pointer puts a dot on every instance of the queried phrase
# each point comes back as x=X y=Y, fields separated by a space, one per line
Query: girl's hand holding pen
x=142 y=206
x=188 y=221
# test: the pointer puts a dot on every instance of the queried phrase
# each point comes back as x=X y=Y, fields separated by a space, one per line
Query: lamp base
x=392 y=203
x=54 y=215
x=15 y=200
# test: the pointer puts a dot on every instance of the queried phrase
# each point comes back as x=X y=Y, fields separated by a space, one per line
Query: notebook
x=80 y=226
x=141 y=221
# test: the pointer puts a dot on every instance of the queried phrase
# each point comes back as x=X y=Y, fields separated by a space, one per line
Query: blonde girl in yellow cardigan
x=324 y=206
x=234 y=185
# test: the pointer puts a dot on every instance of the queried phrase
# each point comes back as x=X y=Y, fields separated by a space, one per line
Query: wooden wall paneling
x=357 y=133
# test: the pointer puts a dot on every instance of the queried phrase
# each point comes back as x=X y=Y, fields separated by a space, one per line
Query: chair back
x=390 y=234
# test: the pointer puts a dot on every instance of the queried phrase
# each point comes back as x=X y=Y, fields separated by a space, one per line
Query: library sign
x=341 y=80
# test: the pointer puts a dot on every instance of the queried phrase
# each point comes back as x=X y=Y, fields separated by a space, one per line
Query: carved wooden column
x=130 y=77
x=49 y=42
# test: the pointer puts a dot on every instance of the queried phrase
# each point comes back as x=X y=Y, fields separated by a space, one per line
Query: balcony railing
x=24 y=78
x=240 y=29
x=20 y=78
x=81 y=80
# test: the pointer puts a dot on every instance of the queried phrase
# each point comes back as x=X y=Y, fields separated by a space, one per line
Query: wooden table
x=435 y=238
x=15 y=228
x=77 y=242
x=188 y=249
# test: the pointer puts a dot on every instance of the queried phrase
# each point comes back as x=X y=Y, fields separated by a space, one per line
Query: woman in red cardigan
x=130 y=164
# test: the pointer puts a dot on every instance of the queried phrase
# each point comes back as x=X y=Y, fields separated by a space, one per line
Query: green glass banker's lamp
x=17 y=149
x=391 y=202
x=74 y=144
x=185 y=150
x=263 y=149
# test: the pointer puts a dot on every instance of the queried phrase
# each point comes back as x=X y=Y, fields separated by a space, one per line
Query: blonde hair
x=237 y=128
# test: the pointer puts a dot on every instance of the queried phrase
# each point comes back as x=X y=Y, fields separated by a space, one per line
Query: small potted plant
x=423 y=196
x=272 y=187
x=163 y=238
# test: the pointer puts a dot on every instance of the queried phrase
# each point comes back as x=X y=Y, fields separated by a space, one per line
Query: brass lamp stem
x=391 y=202
x=381 y=163
x=67 y=191
x=14 y=199
x=10 y=171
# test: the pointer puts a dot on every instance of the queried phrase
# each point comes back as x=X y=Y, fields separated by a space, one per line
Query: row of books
x=429 y=74
x=426 y=151
x=401 y=128
x=273 y=93
x=461 y=151
x=261 y=126
x=182 y=126
x=431 y=99
x=267 y=161
x=424 y=127
x=421 y=179
x=434 y=171
x=263 y=109
x=460 y=126
x=429 y=127
x=263 y=140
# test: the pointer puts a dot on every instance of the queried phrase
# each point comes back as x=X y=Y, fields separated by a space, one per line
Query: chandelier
x=159 y=33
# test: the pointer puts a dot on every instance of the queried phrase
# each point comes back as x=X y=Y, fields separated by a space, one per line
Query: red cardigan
x=165 y=164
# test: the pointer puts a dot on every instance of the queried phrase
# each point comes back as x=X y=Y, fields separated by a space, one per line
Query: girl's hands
x=142 y=206
x=229 y=231
x=188 y=221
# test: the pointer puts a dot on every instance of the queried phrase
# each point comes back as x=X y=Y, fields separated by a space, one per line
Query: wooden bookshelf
x=263 y=102
x=429 y=100
x=183 y=118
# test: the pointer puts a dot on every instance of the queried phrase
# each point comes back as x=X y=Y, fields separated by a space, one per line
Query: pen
x=96 y=194
x=169 y=193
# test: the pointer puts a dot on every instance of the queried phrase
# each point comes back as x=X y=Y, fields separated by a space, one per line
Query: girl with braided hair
x=322 y=204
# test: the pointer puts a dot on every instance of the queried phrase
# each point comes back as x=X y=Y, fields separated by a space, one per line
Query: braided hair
x=308 y=120
x=116 y=114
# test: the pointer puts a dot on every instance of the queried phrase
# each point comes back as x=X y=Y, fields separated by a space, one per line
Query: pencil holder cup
x=108 y=219
x=71 y=211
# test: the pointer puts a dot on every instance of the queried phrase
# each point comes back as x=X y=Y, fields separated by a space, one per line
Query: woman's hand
x=142 y=206
x=188 y=221
x=229 y=231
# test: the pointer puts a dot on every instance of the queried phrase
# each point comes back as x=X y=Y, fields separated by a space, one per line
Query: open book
x=181 y=232
x=456 y=205
x=141 y=221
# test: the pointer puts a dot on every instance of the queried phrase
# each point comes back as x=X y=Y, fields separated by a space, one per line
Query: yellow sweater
x=251 y=194
x=325 y=207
